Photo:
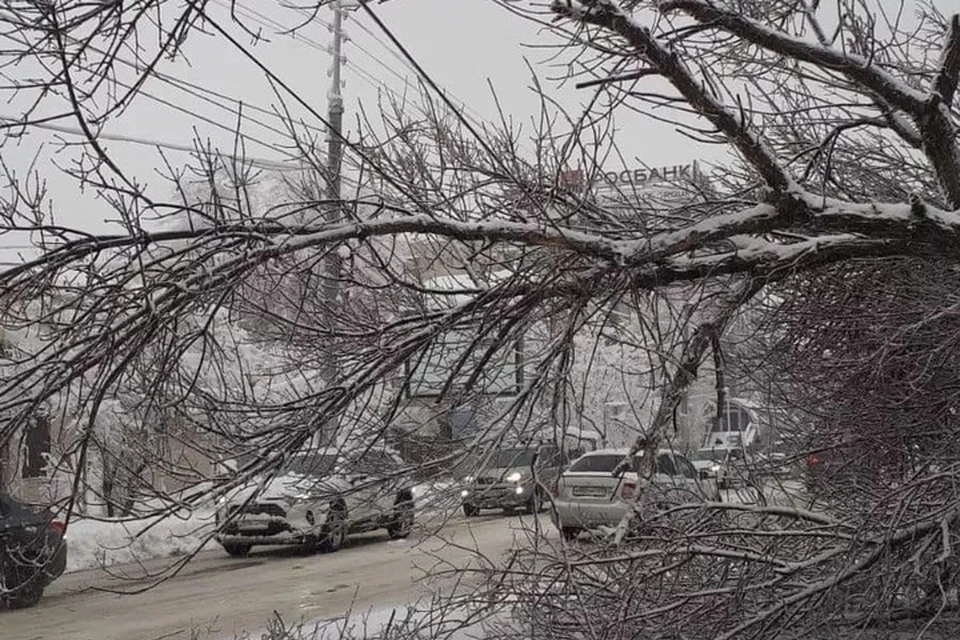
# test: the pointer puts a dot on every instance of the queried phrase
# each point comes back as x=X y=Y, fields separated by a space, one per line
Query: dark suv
x=33 y=552
x=507 y=482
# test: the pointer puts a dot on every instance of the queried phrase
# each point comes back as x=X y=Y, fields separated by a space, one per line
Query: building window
x=36 y=443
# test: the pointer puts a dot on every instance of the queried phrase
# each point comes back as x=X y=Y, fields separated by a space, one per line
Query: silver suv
x=316 y=500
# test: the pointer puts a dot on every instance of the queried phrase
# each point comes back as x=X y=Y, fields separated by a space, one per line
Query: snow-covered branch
x=949 y=67
x=607 y=14
x=930 y=112
x=858 y=68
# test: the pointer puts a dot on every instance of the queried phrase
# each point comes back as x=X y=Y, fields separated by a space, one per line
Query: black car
x=33 y=552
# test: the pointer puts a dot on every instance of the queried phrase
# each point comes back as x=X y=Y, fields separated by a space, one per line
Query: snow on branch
x=606 y=14
x=946 y=83
x=860 y=69
x=282 y=239
x=834 y=229
x=930 y=112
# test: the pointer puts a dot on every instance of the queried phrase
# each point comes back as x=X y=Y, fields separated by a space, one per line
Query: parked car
x=316 y=500
x=33 y=552
x=725 y=465
x=507 y=482
x=589 y=495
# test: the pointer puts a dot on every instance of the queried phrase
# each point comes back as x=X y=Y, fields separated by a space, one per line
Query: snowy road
x=215 y=597
x=219 y=596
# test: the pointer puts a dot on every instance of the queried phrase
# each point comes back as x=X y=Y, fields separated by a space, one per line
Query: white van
x=739 y=427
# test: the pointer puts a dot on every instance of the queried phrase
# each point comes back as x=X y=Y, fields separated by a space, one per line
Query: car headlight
x=715 y=468
x=514 y=477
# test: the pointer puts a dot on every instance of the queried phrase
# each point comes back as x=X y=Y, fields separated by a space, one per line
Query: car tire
x=26 y=597
x=26 y=594
x=569 y=533
x=335 y=531
x=403 y=517
x=470 y=510
x=237 y=549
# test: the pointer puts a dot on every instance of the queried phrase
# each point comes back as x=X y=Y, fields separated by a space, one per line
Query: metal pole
x=334 y=151
x=331 y=281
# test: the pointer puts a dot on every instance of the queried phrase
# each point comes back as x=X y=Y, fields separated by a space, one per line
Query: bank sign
x=635 y=177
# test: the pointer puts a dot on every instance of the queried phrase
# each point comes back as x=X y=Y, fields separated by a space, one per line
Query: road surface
x=215 y=597
x=218 y=596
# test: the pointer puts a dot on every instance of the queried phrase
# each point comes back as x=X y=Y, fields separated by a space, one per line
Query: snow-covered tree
x=841 y=123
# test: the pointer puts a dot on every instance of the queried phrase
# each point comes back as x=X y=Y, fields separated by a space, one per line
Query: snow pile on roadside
x=406 y=621
x=98 y=543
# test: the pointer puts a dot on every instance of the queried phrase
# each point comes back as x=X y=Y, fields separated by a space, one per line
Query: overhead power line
x=75 y=131
x=233 y=106
x=262 y=163
x=270 y=23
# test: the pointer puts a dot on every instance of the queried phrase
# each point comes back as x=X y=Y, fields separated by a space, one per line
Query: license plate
x=254 y=526
x=593 y=492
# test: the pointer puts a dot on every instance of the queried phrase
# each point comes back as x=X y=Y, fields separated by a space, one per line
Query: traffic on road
x=219 y=595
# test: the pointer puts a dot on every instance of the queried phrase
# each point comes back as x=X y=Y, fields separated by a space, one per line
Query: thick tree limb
x=949 y=73
x=939 y=142
x=886 y=229
x=900 y=124
x=932 y=112
x=937 y=128
x=719 y=370
x=606 y=14
x=858 y=68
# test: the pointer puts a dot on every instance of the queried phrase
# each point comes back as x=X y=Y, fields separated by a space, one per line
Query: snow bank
x=99 y=543
x=384 y=622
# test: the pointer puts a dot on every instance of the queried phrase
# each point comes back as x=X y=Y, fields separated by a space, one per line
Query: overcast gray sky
x=461 y=43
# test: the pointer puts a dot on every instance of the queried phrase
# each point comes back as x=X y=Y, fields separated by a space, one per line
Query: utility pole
x=335 y=118
x=331 y=280
x=334 y=151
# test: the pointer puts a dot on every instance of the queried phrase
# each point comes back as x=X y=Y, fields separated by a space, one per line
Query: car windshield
x=507 y=458
x=311 y=464
x=734 y=419
x=604 y=462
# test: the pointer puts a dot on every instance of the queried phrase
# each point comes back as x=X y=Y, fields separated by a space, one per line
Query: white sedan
x=589 y=495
